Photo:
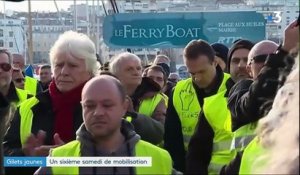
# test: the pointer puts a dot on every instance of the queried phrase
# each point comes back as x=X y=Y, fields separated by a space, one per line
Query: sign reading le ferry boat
x=175 y=30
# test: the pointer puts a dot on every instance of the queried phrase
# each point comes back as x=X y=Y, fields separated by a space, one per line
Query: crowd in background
x=237 y=114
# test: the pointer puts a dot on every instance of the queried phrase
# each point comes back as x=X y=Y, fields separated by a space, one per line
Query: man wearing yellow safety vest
x=251 y=100
x=105 y=133
x=31 y=84
x=127 y=67
x=165 y=62
x=198 y=107
x=155 y=106
x=7 y=88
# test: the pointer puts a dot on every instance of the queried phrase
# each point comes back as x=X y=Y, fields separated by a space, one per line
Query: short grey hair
x=116 y=62
x=78 y=45
x=165 y=57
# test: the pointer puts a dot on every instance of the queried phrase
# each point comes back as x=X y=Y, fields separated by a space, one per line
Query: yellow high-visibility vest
x=217 y=114
x=252 y=160
x=148 y=105
x=26 y=116
x=161 y=160
x=243 y=136
x=31 y=85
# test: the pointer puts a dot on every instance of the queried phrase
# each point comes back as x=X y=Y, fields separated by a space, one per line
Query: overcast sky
x=40 y=5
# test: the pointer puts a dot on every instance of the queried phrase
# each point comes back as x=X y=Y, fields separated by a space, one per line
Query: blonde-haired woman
x=279 y=130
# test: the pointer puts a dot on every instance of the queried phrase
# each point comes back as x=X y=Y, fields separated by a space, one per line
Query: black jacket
x=43 y=119
x=44 y=86
x=148 y=128
x=173 y=138
x=4 y=109
x=12 y=95
x=250 y=100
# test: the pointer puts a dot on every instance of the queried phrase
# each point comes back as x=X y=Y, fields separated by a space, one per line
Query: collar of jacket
x=88 y=143
x=214 y=88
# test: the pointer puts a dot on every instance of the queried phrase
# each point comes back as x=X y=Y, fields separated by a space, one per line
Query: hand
x=57 y=140
x=34 y=142
x=34 y=146
x=291 y=36
x=43 y=150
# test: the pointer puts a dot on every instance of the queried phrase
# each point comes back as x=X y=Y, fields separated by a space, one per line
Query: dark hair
x=5 y=51
x=45 y=66
x=157 y=68
x=240 y=44
x=199 y=47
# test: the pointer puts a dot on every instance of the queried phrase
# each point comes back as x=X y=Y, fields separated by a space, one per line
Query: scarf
x=64 y=105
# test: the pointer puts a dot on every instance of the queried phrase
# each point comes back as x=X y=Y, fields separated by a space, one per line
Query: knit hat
x=241 y=44
x=165 y=67
x=221 y=51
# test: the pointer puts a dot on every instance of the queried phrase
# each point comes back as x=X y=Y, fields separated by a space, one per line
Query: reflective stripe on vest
x=252 y=160
x=216 y=113
x=243 y=136
x=30 y=85
x=166 y=98
x=219 y=118
x=26 y=116
x=161 y=160
x=148 y=105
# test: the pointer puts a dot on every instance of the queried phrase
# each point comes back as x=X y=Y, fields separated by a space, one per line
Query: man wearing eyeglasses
x=31 y=84
x=7 y=88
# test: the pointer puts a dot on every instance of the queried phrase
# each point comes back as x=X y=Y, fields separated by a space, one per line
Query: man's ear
x=215 y=61
x=248 y=68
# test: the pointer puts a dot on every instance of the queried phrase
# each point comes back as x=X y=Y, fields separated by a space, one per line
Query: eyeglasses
x=172 y=80
x=19 y=80
x=5 y=66
x=259 y=58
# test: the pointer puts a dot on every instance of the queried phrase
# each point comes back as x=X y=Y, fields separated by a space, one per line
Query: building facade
x=13 y=36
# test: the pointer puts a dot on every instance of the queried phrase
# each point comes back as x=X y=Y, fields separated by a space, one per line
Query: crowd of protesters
x=236 y=113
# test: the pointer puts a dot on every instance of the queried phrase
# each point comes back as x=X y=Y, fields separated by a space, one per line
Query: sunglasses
x=19 y=80
x=5 y=66
x=260 y=58
x=173 y=80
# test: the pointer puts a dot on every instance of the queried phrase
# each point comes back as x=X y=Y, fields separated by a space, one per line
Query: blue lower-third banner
x=25 y=161
x=78 y=161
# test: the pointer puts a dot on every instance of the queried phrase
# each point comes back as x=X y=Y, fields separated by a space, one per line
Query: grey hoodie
x=88 y=149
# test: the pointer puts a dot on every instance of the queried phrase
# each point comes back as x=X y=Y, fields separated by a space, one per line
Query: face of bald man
x=103 y=107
